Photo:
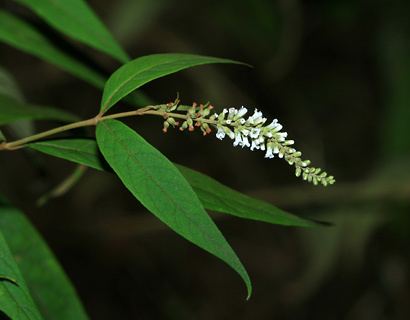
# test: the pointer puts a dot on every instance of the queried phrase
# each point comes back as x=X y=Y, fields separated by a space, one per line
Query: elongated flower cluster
x=254 y=134
x=250 y=132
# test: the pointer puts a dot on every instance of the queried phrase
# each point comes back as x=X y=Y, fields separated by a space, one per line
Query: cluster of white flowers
x=254 y=134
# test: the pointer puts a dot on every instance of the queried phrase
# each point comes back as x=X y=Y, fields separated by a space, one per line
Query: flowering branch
x=251 y=132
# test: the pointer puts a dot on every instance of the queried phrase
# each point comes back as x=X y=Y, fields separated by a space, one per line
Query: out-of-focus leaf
x=395 y=61
x=129 y=19
x=213 y=195
x=8 y=86
x=11 y=110
x=77 y=20
x=2 y=137
x=15 y=299
x=50 y=288
x=64 y=186
x=163 y=190
x=21 y=35
x=142 y=70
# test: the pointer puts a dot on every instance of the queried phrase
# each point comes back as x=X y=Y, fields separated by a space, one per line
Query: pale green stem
x=17 y=144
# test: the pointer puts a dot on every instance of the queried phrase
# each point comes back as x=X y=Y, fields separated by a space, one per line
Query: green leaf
x=77 y=20
x=46 y=280
x=142 y=70
x=21 y=35
x=82 y=151
x=15 y=299
x=214 y=195
x=162 y=189
x=217 y=197
x=11 y=110
x=2 y=137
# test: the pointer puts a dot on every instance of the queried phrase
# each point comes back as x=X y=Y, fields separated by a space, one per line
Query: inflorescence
x=250 y=132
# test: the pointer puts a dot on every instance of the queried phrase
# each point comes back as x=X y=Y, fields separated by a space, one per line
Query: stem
x=17 y=144
x=21 y=142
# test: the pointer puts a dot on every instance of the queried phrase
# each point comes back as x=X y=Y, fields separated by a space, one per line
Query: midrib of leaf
x=176 y=204
x=18 y=306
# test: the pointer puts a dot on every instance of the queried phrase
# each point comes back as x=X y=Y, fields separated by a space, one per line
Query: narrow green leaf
x=2 y=137
x=11 y=110
x=217 y=197
x=162 y=189
x=77 y=20
x=142 y=70
x=82 y=151
x=51 y=289
x=21 y=35
x=213 y=195
x=15 y=300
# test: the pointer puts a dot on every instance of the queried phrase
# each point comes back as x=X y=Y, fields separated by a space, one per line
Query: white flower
x=269 y=153
x=232 y=113
x=242 y=111
x=238 y=140
x=245 y=142
x=245 y=132
x=255 y=133
x=254 y=146
x=220 y=134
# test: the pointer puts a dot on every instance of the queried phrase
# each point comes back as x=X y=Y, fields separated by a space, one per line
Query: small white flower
x=255 y=133
x=242 y=111
x=245 y=142
x=269 y=153
x=228 y=121
x=245 y=132
x=238 y=139
x=220 y=134
x=254 y=146
x=273 y=124
x=232 y=113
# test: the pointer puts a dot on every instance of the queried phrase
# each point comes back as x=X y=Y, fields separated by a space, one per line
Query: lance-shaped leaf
x=77 y=20
x=50 y=288
x=163 y=190
x=11 y=110
x=142 y=70
x=15 y=299
x=213 y=195
x=23 y=36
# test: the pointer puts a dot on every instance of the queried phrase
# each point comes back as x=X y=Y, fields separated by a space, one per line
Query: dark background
x=335 y=73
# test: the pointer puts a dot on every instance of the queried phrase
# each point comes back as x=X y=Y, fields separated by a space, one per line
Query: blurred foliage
x=337 y=73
